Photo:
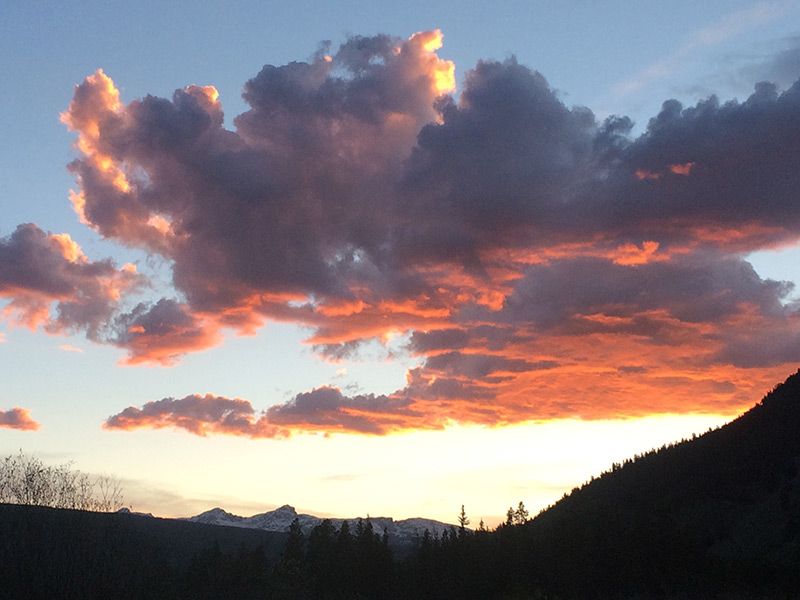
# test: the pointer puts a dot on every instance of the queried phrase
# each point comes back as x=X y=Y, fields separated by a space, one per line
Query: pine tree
x=463 y=521
x=521 y=514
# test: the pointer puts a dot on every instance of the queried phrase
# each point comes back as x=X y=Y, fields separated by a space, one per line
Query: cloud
x=51 y=283
x=327 y=409
x=729 y=26
x=780 y=67
x=480 y=366
x=18 y=418
x=323 y=409
x=200 y=415
x=540 y=263
x=70 y=348
x=162 y=332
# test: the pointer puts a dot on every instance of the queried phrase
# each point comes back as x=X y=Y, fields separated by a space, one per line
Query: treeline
x=55 y=553
x=52 y=553
x=717 y=516
x=357 y=562
x=27 y=480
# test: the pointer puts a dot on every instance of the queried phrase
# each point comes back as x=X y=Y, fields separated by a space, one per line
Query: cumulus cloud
x=49 y=282
x=200 y=415
x=18 y=418
x=162 y=332
x=325 y=408
x=542 y=263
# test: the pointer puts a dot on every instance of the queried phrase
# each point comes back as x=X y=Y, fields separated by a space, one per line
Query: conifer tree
x=463 y=521
x=521 y=514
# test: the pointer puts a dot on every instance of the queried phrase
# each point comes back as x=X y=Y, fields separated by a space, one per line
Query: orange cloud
x=644 y=174
x=26 y=308
x=442 y=71
x=99 y=102
x=68 y=248
x=630 y=254
x=678 y=169
x=162 y=333
x=69 y=348
x=683 y=169
x=18 y=418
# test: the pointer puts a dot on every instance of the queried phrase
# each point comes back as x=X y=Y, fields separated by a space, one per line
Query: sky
x=369 y=258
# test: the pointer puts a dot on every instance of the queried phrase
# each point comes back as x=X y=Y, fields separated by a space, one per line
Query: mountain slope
x=60 y=553
x=721 y=508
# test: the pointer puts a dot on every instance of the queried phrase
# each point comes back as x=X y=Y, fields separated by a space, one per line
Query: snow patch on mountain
x=401 y=533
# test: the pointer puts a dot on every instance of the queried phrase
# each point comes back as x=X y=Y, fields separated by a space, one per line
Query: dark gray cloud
x=326 y=408
x=332 y=183
x=480 y=366
x=423 y=342
x=693 y=288
x=781 y=67
x=744 y=162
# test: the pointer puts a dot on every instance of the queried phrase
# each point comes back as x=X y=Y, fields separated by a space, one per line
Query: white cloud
x=729 y=26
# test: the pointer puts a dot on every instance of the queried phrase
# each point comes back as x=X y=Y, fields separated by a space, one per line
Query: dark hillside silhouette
x=58 y=553
x=718 y=511
x=717 y=516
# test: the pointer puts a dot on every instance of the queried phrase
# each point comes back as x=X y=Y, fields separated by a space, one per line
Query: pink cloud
x=50 y=283
x=200 y=415
x=69 y=348
x=18 y=418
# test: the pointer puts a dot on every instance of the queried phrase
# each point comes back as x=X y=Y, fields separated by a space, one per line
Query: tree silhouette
x=27 y=480
x=521 y=514
x=463 y=521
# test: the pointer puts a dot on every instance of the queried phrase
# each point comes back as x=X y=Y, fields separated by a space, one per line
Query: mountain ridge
x=723 y=506
x=401 y=533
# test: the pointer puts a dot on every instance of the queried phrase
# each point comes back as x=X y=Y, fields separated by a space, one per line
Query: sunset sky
x=389 y=259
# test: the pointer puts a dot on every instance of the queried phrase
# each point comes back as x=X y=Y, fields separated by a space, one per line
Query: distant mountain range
x=402 y=534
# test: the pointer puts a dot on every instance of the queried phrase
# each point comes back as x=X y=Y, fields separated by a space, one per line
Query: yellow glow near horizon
x=415 y=474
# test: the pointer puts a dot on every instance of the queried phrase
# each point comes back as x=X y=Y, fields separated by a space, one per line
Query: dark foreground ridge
x=717 y=516
x=59 y=553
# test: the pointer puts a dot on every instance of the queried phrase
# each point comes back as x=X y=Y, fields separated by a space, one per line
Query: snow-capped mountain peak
x=401 y=533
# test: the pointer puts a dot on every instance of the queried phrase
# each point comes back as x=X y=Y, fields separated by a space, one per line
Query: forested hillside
x=719 y=511
x=715 y=516
x=51 y=553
